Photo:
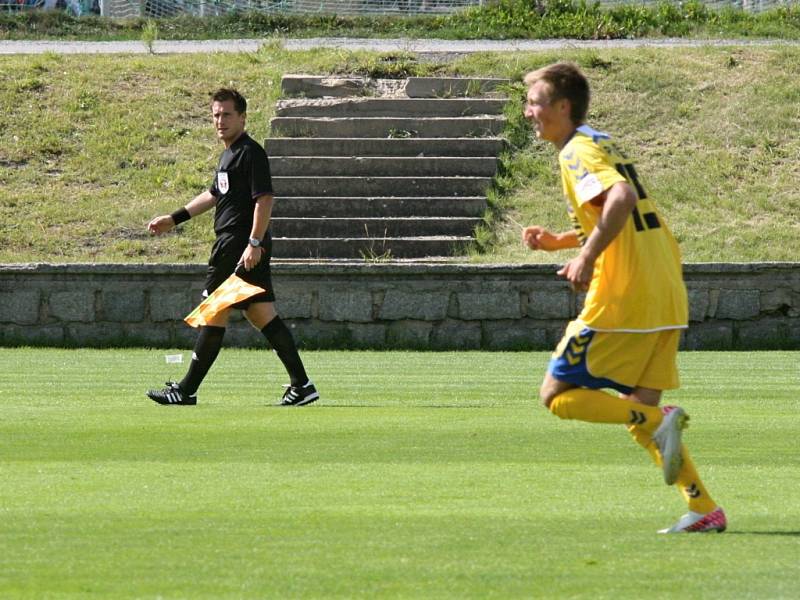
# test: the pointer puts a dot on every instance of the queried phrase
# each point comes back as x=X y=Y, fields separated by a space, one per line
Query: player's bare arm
x=197 y=206
x=617 y=204
x=539 y=238
x=261 y=216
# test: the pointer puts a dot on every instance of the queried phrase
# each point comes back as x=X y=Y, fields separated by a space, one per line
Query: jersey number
x=641 y=222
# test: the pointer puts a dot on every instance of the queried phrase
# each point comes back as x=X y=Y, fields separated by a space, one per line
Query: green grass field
x=419 y=475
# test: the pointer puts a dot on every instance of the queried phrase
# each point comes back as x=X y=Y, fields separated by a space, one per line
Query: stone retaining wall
x=379 y=305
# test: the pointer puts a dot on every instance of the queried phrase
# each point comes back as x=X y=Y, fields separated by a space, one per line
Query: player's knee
x=643 y=395
x=546 y=395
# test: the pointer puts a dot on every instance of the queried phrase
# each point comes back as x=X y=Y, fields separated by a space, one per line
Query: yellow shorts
x=622 y=361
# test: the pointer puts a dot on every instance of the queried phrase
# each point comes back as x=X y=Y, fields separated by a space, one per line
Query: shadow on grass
x=415 y=406
x=786 y=533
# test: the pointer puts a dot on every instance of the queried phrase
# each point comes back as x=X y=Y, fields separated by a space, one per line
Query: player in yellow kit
x=626 y=337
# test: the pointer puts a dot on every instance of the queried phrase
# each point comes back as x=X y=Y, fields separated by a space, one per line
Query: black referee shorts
x=225 y=256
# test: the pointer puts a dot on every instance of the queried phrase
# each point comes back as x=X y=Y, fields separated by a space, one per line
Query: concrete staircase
x=374 y=169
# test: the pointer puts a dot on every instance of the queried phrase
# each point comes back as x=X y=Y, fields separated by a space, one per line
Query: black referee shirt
x=242 y=175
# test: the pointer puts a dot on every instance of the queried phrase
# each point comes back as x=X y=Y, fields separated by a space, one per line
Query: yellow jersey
x=637 y=284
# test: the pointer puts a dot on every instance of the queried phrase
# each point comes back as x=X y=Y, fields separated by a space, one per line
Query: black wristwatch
x=255 y=242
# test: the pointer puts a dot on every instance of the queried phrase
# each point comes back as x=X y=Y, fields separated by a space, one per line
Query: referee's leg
x=264 y=317
x=206 y=350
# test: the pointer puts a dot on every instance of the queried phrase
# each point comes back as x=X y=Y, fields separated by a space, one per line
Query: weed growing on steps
x=150 y=34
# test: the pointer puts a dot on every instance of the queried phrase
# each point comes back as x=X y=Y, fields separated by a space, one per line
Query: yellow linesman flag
x=234 y=289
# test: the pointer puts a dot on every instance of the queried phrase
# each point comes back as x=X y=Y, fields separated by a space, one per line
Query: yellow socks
x=645 y=440
x=689 y=483
x=595 y=406
x=692 y=488
x=642 y=420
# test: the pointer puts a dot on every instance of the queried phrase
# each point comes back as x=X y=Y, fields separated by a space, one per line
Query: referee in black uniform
x=242 y=197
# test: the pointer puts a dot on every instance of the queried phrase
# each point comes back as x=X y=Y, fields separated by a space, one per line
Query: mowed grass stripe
x=419 y=475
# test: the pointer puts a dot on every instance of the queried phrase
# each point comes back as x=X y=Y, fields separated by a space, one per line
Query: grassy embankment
x=96 y=145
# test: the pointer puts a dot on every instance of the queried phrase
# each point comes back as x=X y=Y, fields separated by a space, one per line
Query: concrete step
x=321 y=86
x=380 y=227
x=389 y=107
x=394 y=127
x=383 y=166
x=304 y=146
x=380 y=186
x=370 y=248
x=377 y=206
x=448 y=87
x=316 y=86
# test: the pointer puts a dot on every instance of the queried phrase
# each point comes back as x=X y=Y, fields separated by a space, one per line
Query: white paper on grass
x=174 y=358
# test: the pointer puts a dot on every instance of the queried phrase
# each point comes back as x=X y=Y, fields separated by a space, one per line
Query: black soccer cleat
x=172 y=394
x=300 y=395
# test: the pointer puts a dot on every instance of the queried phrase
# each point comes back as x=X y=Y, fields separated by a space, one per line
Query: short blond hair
x=565 y=81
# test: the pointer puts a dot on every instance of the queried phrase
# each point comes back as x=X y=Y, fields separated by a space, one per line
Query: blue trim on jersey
x=571 y=366
x=593 y=133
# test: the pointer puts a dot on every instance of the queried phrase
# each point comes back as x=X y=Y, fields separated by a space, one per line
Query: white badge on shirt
x=222 y=182
x=589 y=187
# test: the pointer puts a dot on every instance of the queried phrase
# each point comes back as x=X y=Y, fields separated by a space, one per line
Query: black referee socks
x=206 y=349
x=281 y=340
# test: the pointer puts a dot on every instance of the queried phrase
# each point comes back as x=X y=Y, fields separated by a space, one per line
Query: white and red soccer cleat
x=693 y=522
x=668 y=438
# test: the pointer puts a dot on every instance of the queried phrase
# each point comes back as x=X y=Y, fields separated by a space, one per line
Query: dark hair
x=224 y=94
x=566 y=82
